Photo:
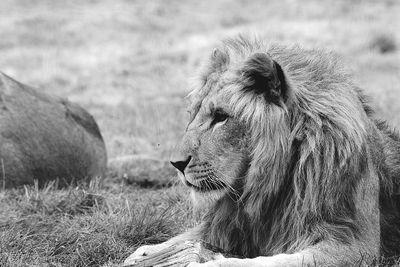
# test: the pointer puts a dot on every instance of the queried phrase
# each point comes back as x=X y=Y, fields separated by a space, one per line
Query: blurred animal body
x=287 y=158
x=43 y=138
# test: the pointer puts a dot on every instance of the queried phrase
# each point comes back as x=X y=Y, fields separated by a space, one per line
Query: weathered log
x=179 y=255
x=44 y=137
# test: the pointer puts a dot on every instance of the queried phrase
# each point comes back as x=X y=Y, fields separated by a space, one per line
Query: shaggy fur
x=322 y=180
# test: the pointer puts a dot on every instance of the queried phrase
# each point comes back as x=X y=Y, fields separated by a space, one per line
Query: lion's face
x=216 y=152
x=213 y=153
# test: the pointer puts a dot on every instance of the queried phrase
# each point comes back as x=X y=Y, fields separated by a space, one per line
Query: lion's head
x=217 y=148
x=272 y=133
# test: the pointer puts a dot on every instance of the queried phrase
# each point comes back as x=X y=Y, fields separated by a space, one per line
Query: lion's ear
x=265 y=76
x=219 y=59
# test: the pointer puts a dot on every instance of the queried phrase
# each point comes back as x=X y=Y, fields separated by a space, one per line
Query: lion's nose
x=181 y=165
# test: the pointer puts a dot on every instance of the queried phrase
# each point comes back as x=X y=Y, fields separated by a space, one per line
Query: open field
x=129 y=63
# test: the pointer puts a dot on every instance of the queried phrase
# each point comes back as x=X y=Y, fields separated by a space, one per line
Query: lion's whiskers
x=223 y=180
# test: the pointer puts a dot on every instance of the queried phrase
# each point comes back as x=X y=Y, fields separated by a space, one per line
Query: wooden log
x=177 y=255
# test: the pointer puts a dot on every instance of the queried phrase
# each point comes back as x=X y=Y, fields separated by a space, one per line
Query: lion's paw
x=205 y=264
x=213 y=263
x=217 y=260
x=220 y=261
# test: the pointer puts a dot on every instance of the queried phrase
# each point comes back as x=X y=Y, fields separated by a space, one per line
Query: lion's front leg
x=282 y=260
x=323 y=254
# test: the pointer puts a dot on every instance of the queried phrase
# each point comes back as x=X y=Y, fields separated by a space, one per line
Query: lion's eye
x=220 y=116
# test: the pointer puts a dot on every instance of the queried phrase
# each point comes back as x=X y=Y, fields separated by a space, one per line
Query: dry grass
x=88 y=225
x=128 y=63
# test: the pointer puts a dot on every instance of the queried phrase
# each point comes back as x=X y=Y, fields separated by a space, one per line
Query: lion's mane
x=308 y=156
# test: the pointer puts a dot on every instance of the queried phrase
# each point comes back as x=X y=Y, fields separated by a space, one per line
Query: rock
x=43 y=137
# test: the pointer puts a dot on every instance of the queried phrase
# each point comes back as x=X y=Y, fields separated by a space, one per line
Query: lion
x=285 y=154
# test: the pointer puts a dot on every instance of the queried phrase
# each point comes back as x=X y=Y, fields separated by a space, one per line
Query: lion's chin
x=203 y=200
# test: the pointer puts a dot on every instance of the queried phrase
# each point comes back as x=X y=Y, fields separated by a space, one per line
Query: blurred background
x=129 y=63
